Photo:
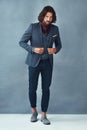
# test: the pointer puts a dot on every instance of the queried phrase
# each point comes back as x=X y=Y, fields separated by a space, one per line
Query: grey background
x=69 y=85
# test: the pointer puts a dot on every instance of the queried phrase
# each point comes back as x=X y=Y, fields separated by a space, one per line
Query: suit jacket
x=33 y=38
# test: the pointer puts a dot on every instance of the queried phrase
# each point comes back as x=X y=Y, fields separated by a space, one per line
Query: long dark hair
x=44 y=12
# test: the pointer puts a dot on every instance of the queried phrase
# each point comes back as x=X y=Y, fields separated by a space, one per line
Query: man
x=41 y=37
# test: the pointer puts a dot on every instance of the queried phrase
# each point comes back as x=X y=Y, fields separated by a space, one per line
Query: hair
x=44 y=12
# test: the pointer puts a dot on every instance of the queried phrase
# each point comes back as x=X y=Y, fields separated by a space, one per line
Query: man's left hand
x=52 y=50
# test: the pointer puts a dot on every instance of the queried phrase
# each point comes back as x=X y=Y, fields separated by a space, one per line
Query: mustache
x=48 y=21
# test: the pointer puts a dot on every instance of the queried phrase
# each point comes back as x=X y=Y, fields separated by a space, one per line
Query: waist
x=44 y=57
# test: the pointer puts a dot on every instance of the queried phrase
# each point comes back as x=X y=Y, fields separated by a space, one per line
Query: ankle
x=43 y=114
x=34 y=110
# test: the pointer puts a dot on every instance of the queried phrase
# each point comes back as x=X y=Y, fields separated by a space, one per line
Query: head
x=47 y=15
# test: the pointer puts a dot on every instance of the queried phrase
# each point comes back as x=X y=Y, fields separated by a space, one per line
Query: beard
x=46 y=23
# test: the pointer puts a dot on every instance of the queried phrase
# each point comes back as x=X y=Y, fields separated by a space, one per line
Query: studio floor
x=58 y=122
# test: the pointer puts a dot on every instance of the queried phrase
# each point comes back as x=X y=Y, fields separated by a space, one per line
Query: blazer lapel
x=40 y=33
x=49 y=36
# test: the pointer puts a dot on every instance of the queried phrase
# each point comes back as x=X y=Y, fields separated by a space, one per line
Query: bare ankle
x=34 y=110
x=44 y=114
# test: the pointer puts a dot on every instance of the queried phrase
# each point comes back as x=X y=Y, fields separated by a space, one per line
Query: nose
x=48 y=18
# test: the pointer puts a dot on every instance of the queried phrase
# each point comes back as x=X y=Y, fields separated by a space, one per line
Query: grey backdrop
x=69 y=85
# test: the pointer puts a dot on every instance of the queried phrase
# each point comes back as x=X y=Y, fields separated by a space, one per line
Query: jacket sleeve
x=58 y=44
x=25 y=38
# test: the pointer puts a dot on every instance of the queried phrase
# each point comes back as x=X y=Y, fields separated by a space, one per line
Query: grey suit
x=34 y=35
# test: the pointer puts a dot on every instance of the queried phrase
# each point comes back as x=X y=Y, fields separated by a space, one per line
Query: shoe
x=34 y=117
x=45 y=120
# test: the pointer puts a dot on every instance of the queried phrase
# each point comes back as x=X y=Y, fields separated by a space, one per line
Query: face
x=48 y=18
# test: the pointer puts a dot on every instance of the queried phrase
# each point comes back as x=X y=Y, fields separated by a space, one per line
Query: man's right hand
x=39 y=50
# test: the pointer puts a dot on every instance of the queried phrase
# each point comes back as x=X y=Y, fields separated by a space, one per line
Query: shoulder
x=35 y=24
x=54 y=26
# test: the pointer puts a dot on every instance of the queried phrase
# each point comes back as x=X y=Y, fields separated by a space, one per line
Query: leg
x=46 y=74
x=33 y=82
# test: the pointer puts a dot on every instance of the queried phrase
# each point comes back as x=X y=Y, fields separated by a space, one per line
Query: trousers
x=44 y=68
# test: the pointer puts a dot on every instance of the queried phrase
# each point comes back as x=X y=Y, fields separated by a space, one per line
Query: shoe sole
x=45 y=123
x=34 y=120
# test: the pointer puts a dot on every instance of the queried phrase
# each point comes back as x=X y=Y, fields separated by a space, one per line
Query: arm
x=57 y=44
x=25 y=38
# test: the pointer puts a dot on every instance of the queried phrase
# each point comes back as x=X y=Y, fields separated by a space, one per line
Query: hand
x=39 y=50
x=51 y=50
